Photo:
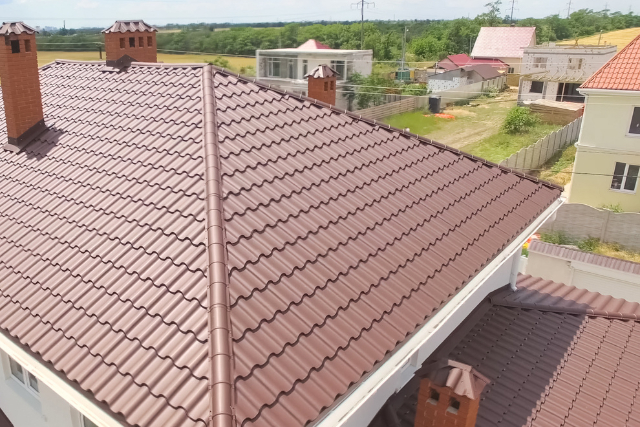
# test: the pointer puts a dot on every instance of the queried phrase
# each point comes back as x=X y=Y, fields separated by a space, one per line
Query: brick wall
x=431 y=413
x=20 y=85
x=317 y=90
x=144 y=53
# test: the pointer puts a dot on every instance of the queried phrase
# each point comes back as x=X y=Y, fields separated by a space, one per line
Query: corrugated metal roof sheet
x=550 y=367
x=16 y=28
x=589 y=258
x=503 y=42
x=129 y=26
x=343 y=237
x=622 y=72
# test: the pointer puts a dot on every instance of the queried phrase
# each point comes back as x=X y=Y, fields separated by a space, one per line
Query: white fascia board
x=608 y=92
x=58 y=385
x=359 y=407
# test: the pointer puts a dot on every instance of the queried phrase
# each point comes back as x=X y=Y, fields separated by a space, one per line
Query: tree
x=491 y=18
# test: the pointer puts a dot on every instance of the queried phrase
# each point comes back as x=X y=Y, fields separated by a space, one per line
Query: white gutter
x=608 y=92
x=361 y=405
x=61 y=387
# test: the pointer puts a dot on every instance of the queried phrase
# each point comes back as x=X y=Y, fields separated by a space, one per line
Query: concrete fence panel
x=539 y=153
x=580 y=221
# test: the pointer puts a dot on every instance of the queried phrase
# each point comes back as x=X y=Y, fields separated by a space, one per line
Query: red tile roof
x=622 y=72
x=313 y=44
x=340 y=237
x=503 y=42
x=570 y=361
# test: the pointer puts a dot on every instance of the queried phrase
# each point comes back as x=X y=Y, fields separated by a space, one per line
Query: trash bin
x=434 y=104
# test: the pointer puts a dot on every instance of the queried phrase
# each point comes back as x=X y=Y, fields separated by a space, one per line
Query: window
x=625 y=177
x=122 y=43
x=454 y=405
x=339 y=67
x=305 y=67
x=27 y=45
x=140 y=41
x=333 y=85
x=24 y=377
x=539 y=62
x=511 y=70
x=434 y=396
x=15 y=46
x=575 y=64
x=149 y=41
x=635 y=122
x=86 y=422
x=536 y=87
x=290 y=73
x=132 y=42
x=274 y=67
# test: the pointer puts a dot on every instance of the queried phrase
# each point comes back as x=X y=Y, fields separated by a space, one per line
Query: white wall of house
x=440 y=85
x=576 y=63
x=592 y=277
x=28 y=409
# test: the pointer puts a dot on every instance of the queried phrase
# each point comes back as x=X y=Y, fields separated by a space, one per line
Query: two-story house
x=608 y=154
x=286 y=68
x=506 y=44
x=556 y=72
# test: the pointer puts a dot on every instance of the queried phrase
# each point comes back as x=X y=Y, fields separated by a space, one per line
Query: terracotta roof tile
x=342 y=237
x=622 y=72
x=16 y=28
x=129 y=26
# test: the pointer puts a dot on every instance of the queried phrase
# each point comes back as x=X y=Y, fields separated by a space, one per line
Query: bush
x=519 y=120
x=613 y=208
x=555 y=237
x=220 y=62
x=491 y=92
x=588 y=245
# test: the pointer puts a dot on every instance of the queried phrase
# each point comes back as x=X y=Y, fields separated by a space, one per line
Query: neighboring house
x=453 y=62
x=182 y=246
x=544 y=355
x=462 y=76
x=286 y=68
x=608 y=150
x=596 y=273
x=504 y=43
x=556 y=72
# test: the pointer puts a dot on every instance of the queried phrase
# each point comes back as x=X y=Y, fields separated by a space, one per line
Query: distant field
x=620 y=38
x=45 y=57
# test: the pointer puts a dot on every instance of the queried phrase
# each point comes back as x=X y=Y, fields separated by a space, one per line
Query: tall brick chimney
x=449 y=395
x=136 y=39
x=20 y=84
x=322 y=84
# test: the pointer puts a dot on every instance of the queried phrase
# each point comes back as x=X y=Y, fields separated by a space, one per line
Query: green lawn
x=499 y=146
x=559 y=167
x=417 y=122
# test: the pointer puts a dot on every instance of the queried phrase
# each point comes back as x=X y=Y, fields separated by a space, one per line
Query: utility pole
x=404 y=42
x=600 y=38
x=513 y=2
x=361 y=4
x=569 y=10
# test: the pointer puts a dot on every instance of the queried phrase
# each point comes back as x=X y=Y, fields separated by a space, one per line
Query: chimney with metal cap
x=20 y=84
x=322 y=84
x=135 y=39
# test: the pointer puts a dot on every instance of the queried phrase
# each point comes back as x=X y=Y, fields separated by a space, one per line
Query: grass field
x=559 y=167
x=45 y=57
x=620 y=38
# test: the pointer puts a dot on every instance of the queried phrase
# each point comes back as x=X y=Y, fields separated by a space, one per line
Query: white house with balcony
x=286 y=68
x=555 y=72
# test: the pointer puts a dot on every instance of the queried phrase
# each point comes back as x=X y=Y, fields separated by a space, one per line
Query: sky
x=102 y=13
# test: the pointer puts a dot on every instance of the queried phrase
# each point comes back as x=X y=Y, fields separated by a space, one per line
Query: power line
x=361 y=4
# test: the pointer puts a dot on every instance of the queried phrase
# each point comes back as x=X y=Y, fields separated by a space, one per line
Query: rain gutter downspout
x=218 y=315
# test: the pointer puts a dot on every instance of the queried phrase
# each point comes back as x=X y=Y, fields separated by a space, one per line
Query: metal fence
x=581 y=221
x=534 y=156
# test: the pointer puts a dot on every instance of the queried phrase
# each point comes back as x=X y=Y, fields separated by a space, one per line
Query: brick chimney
x=136 y=39
x=20 y=85
x=449 y=395
x=322 y=84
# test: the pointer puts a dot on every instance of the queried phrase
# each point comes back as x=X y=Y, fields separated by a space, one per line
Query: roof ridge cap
x=218 y=312
x=391 y=128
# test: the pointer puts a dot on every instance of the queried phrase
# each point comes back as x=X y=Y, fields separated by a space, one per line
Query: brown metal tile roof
x=622 y=72
x=321 y=71
x=572 y=254
x=129 y=26
x=547 y=363
x=342 y=236
x=16 y=28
